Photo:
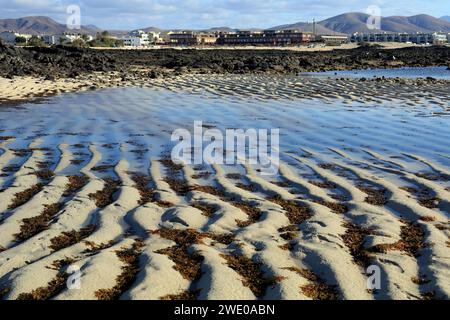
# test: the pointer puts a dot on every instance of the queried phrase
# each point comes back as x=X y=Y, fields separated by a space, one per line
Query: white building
x=155 y=37
x=69 y=38
x=137 y=39
x=10 y=36
x=439 y=38
x=131 y=41
x=418 y=38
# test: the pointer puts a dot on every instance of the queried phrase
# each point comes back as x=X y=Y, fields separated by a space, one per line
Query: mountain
x=306 y=27
x=220 y=29
x=423 y=23
x=40 y=25
x=352 y=22
x=214 y=29
x=125 y=33
x=119 y=33
x=347 y=23
x=151 y=29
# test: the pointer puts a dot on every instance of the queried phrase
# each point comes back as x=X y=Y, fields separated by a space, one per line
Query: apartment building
x=266 y=37
x=190 y=38
x=333 y=40
x=186 y=38
x=417 y=38
x=207 y=38
x=155 y=37
x=137 y=38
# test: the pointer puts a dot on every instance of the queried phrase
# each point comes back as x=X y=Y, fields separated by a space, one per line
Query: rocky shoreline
x=72 y=62
x=30 y=73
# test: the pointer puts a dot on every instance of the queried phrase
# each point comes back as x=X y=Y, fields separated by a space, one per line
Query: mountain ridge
x=352 y=22
x=346 y=23
x=40 y=25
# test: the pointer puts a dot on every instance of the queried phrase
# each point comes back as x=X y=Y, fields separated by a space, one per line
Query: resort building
x=189 y=38
x=155 y=37
x=137 y=39
x=439 y=38
x=266 y=37
x=207 y=38
x=332 y=40
x=417 y=38
x=183 y=38
x=186 y=38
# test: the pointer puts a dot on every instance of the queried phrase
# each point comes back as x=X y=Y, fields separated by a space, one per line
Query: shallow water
x=143 y=119
x=331 y=151
x=411 y=73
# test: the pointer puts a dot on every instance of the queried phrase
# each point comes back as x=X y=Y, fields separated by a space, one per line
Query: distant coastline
x=42 y=72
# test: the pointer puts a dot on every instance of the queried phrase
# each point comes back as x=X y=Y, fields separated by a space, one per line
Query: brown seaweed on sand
x=34 y=225
x=24 y=196
x=250 y=272
x=130 y=258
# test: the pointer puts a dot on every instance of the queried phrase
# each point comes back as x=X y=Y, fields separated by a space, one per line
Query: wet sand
x=364 y=180
x=261 y=87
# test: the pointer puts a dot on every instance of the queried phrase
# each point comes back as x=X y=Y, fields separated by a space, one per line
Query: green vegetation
x=78 y=43
x=104 y=39
x=21 y=40
x=35 y=41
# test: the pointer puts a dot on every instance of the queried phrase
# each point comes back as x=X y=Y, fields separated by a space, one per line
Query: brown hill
x=40 y=25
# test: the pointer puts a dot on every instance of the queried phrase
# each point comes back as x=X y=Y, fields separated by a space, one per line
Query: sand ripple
x=362 y=182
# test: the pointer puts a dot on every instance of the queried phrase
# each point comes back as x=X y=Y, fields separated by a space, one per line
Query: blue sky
x=130 y=14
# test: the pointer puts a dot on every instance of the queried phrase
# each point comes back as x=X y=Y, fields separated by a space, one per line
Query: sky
x=197 y=14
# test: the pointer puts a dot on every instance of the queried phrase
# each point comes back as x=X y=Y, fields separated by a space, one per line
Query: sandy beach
x=87 y=182
x=349 y=89
x=28 y=88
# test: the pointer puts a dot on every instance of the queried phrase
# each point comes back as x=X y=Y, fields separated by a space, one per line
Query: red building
x=266 y=37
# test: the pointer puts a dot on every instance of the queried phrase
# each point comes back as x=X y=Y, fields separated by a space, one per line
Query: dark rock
x=74 y=74
x=71 y=62
x=153 y=74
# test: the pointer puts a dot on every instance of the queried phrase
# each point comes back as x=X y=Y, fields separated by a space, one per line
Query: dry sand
x=27 y=88
x=141 y=227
